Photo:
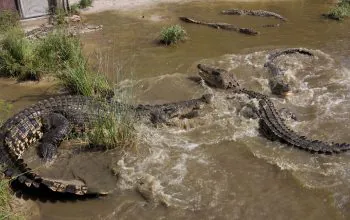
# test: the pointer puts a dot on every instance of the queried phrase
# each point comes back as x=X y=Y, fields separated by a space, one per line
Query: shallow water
x=218 y=166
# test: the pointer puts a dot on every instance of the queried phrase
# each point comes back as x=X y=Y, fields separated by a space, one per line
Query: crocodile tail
x=274 y=128
x=76 y=187
x=16 y=135
x=22 y=173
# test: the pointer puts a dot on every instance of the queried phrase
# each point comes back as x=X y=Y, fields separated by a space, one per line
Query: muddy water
x=218 y=166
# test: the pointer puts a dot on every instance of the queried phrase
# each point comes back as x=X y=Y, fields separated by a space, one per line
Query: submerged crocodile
x=260 y=13
x=271 y=124
x=52 y=120
x=224 y=26
x=72 y=30
x=277 y=82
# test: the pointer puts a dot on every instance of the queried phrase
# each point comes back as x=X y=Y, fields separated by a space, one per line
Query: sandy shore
x=104 y=5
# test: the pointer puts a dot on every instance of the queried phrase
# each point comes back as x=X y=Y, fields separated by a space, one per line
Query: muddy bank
x=106 y=5
x=22 y=94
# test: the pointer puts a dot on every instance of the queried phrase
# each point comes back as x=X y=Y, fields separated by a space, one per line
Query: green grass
x=114 y=130
x=58 y=54
x=5 y=195
x=8 y=19
x=85 y=3
x=340 y=11
x=58 y=49
x=5 y=198
x=18 y=58
x=78 y=79
x=30 y=60
x=74 y=9
x=172 y=34
x=6 y=211
x=60 y=15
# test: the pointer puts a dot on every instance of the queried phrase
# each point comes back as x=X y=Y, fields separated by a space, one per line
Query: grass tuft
x=172 y=34
x=80 y=80
x=17 y=57
x=60 y=15
x=74 y=9
x=5 y=195
x=85 y=3
x=59 y=49
x=8 y=19
x=114 y=130
x=340 y=11
x=56 y=53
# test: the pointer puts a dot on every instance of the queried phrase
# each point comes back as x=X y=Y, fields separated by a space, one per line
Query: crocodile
x=277 y=83
x=271 y=125
x=72 y=30
x=51 y=120
x=224 y=26
x=260 y=13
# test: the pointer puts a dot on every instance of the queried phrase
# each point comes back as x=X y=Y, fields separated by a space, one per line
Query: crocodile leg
x=58 y=127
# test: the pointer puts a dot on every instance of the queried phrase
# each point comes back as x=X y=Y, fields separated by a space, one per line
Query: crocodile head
x=279 y=86
x=218 y=78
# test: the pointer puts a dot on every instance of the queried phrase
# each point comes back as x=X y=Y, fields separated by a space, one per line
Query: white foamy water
x=179 y=161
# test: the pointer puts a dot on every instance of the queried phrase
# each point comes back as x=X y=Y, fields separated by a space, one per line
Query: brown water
x=220 y=167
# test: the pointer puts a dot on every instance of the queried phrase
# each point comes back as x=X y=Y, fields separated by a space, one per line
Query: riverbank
x=108 y=5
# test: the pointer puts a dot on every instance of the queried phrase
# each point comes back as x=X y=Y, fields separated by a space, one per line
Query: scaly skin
x=271 y=124
x=277 y=83
x=52 y=120
x=260 y=13
x=224 y=26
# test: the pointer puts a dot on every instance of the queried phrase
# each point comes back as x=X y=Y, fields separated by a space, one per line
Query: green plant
x=58 y=49
x=172 y=34
x=85 y=3
x=4 y=200
x=6 y=211
x=340 y=11
x=114 y=130
x=74 y=9
x=60 y=15
x=17 y=57
x=8 y=19
x=78 y=79
x=5 y=195
x=29 y=60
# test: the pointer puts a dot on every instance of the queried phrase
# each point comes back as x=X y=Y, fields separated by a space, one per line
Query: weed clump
x=17 y=57
x=74 y=9
x=4 y=200
x=172 y=34
x=30 y=60
x=5 y=195
x=85 y=3
x=114 y=130
x=80 y=80
x=59 y=49
x=340 y=11
x=60 y=15
x=58 y=54
x=8 y=20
